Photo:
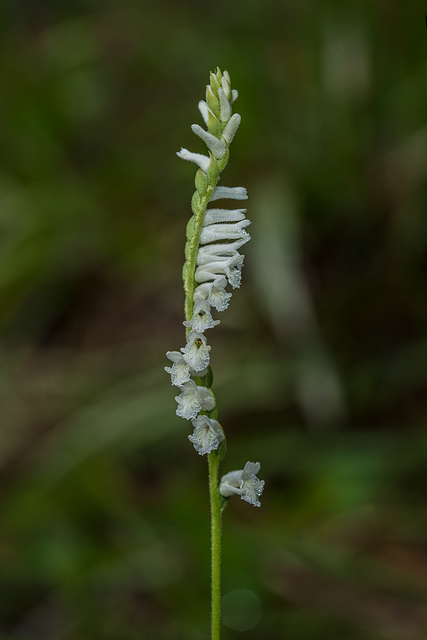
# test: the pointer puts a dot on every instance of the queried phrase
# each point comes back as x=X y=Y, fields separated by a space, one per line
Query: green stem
x=213 y=461
x=194 y=241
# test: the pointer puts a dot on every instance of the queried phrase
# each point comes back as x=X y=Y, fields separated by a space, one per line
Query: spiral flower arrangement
x=212 y=263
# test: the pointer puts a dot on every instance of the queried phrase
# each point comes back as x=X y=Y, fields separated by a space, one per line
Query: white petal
x=230 y=483
x=231 y=193
x=251 y=486
x=226 y=87
x=250 y=468
x=180 y=374
x=207 y=398
x=219 y=267
x=202 y=292
x=220 y=262
x=234 y=95
x=202 y=161
x=174 y=356
x=225 y=107
x=234 y=272
x=212 y=251
x=205 y=111
x=180 y=370
x=223 y=215
x=231 y=128
x=212 y=263
x=208 y=273
x=218 y=297
x=220 y=283
x=215 y=146
x=224 y=231
x=251 y=491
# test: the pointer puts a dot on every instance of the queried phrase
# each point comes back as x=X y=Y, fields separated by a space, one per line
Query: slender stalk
x=193 y=245
x=213 y=461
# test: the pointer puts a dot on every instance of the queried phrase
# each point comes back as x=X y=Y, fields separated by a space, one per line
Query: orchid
x=196 y=351
x=213 y=263
x=193 y=399
x=243 y=483
x=207 y=435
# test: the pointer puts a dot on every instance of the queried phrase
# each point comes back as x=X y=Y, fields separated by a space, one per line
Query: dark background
x=320 y=363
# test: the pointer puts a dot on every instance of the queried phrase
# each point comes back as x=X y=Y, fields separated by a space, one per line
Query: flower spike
x=213 y=264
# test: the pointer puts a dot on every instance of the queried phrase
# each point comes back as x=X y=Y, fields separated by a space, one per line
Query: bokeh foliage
x=320 y=363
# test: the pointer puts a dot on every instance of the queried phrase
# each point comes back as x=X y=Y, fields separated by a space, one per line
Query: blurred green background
x=320 y=363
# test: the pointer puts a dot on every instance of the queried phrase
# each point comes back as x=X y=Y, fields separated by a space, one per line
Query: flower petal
x=215 y=146
x=230 y=193
x=231 y=128
x=207 y=398
x=219 y=297
x=251 y=486
x=212 y=251
x=225 y=107
x=231 y=231
x=180 y=370
x=230 y=483
x=202 y=161
x=226 y=87
x=213 y=216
